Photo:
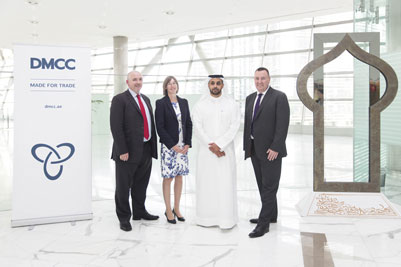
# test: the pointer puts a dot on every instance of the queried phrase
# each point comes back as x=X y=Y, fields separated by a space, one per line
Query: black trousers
x=267 y=177
x=132 y=178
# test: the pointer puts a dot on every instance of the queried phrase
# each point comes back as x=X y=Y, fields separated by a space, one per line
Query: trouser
x=267 y=177
x=132 y=178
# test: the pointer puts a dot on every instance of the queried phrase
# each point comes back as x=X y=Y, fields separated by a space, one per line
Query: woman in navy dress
x=174 y=126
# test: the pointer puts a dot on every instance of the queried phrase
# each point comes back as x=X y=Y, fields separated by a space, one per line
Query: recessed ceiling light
x=35 y=35
x=34 y=21
x=102 y=27
x=169 y=12
x=32 y=2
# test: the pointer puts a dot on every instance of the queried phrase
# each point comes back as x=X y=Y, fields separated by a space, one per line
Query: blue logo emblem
x=52 y=152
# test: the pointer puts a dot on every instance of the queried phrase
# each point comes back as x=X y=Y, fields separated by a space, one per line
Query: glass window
x=334 y=17
x=210 y=35
x=245 y=45
x=102 y=77
x=204 y=68
x=102 y=61
x=152 y=43
x=235 y=53
x=245 y=66
x=180 y=69
x=182 y=39
x=290 y=24
x=210 y=49
x=248 y=29
x=146 y=56
x=347 y=27
x=177 y=53
x=287 y=41
x=286 y=64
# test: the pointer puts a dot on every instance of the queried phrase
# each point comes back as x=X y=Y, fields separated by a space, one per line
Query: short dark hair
x=263 y=69
x=166 y=81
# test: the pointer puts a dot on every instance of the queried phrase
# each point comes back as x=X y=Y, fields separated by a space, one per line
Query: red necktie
x=145 y=119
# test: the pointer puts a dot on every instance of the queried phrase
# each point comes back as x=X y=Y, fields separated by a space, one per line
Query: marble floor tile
x=100 y=242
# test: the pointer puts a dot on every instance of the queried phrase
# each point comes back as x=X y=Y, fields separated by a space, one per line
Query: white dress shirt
x=261 y=99
x=134 y=95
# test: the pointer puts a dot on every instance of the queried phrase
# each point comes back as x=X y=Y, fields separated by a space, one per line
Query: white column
x=120 y=45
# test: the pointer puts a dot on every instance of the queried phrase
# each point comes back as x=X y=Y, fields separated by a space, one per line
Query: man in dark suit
x=134 y=144
x=267 y=116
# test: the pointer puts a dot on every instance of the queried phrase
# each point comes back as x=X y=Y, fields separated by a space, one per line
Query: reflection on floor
x=293 y=241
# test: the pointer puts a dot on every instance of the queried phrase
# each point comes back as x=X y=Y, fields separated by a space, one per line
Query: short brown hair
x=263 y=69
x=166 y=81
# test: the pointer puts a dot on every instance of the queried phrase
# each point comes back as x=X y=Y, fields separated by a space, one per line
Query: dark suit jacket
x=167 y=123
x=126 y=123
x=270 y=125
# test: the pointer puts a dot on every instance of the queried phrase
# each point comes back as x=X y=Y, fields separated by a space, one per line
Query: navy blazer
x=167 y=123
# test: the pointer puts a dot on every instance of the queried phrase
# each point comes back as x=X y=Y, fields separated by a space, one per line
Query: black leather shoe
x=256 y=220
x=173 y=221
x=125 y=226
x=146 y=216
x=259 y=231
x=181 y=219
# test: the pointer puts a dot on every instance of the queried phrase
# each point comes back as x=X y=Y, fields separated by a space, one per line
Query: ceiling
x=95 y=22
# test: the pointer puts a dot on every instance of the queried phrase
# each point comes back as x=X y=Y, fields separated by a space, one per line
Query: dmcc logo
x=50 y=158
x=58 y=63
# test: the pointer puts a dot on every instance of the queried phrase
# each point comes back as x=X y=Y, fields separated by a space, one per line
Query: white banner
x=52 y=135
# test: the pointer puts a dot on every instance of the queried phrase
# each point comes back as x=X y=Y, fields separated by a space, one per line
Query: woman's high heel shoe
x=173 y=221
x=181 y=219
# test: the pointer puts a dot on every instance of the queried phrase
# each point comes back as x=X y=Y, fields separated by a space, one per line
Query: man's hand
x=220 y=154
x=271 y=154
x=185 y=150
x=214 y=148
x=124 y=157
x=177 y=149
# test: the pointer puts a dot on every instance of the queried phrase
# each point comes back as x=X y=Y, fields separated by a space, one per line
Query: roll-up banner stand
x=52 y=135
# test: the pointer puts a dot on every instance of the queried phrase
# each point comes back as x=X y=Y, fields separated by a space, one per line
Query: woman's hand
x=185 y=150
x=177 y=149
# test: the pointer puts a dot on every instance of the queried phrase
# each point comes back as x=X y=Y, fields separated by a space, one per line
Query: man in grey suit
x=267 y=116
x=134 y=144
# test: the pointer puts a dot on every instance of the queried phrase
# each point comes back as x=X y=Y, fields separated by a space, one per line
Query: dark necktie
x=255 y=111
x=145 y=119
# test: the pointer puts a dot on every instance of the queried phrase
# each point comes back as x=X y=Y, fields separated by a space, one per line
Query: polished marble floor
x=293 y=241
